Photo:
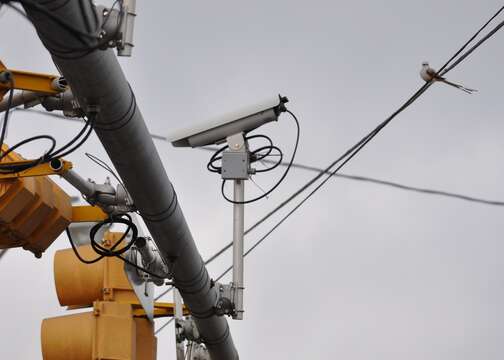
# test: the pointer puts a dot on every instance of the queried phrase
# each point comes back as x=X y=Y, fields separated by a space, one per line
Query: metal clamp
x=152 y=261
x=112 y=201
x=117 y=26
x=228 y=299
x=186 y=329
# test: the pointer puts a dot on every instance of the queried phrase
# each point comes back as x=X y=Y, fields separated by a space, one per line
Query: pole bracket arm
x=25 y=80
x=43 y=169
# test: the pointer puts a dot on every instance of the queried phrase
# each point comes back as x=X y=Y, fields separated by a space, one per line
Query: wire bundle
x=257 y=155
x=113 y=251
x=348 y=155
x=52 y=153
x=92 y=39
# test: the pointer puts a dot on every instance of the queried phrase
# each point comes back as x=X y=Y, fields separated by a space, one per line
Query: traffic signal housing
x=34 y=211
x=115 y=329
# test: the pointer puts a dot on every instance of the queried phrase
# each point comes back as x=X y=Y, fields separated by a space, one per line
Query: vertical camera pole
x=238 y=229
x=236 y=167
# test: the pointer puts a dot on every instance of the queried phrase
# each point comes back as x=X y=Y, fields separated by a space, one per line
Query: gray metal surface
x=84 y=186
x=235 y=165
x=217 y=133
x=18 y=99
x=97 y=79
x=238 y=228
x=179 y=345
x=218 y=129
x=143 y=290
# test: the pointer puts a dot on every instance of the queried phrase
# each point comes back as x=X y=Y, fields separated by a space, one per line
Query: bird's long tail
x=460 y=87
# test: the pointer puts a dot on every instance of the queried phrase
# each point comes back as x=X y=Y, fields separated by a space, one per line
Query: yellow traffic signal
x=114 y=329
x=34 y=211
x=79 y=284
x=108 y=332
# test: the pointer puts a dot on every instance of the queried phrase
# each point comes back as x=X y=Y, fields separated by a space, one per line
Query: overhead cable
x=350 y=153
x=368 y=138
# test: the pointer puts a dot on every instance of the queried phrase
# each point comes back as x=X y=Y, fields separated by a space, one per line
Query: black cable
x=6 y=116
x=48 y=113
x=86 y=38
x=105 y=166
x=42 y=9
x=442 y=71
x=89 y=126
x=253 y=156
x=140 y=268
x=6 y=168
x=356 y=148
x=211 y=167
x=164 y=325
x=401 y=186
x=350 y=153
x=51 y=153
x=282 y=178
x=76 y=252
x=261 y=157
x=387 y=183
x=103 y=251
x=106 y=252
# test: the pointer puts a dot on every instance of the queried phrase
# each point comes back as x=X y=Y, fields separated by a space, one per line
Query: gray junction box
x=235 y=165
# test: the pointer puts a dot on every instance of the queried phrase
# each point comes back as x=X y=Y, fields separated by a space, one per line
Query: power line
x=374 y=133
x=350 y=153
x=386 y=183
x=400 y=186
x=316 y=169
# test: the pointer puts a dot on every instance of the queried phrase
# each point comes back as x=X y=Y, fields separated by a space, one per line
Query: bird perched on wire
x=429 y=74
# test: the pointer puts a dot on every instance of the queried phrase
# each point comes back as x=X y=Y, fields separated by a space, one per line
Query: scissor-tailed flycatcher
x=429 y=74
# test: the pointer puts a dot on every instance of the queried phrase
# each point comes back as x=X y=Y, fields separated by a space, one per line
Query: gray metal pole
x=179 y=346
x=238 y=228
x=85 y=187
x=20 y=98
x=96 y=79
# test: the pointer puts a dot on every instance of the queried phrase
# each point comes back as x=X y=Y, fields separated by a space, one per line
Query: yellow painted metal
x=104 y=280
x=44 y=169
x=108 y=332
x=160 y=310
x=114 y=330
x=146 y=342
x=88 y=214
x=69 y=334
x=25 y=80
x=34 y=211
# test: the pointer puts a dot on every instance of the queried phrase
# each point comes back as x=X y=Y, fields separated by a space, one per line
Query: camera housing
x=241 y=121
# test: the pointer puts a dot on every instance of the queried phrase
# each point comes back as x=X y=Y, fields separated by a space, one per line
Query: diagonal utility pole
x=97 y=80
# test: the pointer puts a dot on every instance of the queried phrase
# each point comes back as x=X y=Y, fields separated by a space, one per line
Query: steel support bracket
x=161 y=309
x=25 y=80
x=88 y=214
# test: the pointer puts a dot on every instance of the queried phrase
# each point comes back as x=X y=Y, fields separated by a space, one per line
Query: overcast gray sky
x=361 y=271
